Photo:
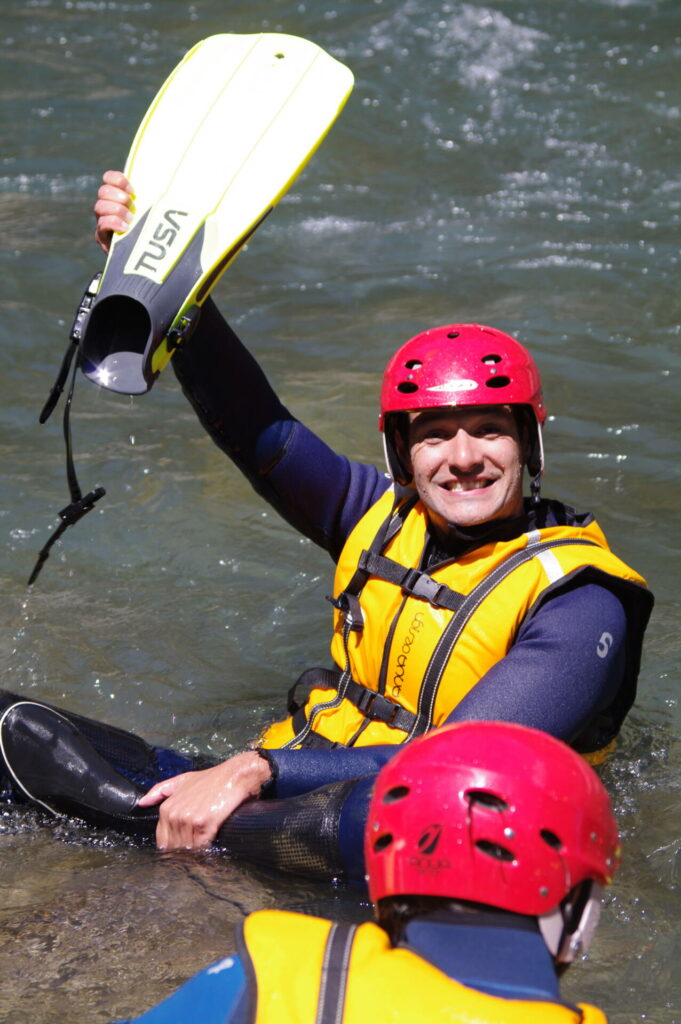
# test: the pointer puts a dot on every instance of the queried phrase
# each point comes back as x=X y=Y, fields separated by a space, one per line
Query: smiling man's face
x=467 y=463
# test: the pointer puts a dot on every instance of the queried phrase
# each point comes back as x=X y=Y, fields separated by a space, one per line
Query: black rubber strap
x=79 y=504
x=58 y=386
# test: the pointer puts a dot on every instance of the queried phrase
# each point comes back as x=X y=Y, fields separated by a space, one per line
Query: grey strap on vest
x=334 y=980
x=450 y=637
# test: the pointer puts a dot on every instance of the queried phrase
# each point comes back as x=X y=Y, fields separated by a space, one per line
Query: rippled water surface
x=515 y=163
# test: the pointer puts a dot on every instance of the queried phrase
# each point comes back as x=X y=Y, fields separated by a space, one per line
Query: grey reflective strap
x=334 y=979
x=449 y=638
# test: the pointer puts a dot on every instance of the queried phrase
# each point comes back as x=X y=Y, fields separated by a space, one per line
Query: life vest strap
x=450 y=636
x=334 y=974
x=374 y=706
x=349 y=607
x=412 y=581
x=388 y=529
x=378 y=708
x=309 y=680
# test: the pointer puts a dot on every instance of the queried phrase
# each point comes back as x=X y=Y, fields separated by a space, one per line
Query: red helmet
x=456 y=365
x=493 y=813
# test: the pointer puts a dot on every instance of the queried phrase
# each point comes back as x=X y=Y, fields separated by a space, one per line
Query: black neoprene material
x=49 y=762
x=300 y=834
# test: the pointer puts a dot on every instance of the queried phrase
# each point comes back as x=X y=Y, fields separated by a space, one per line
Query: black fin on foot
x=50 y=763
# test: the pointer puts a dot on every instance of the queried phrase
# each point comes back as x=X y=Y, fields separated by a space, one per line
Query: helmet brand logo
x=430 y=865
x=461 y=384
x=427 y=843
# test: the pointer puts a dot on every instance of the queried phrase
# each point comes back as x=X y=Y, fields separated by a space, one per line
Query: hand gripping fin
x=227 y=134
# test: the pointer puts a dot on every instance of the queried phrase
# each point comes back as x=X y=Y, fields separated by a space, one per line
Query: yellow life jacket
x=410 y=645
x=305 y=969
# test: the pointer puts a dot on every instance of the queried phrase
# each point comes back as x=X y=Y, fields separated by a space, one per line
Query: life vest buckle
x=349 y=607
x=364 y=702
x=420 y=584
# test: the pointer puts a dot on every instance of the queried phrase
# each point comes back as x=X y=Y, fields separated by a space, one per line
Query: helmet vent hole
x=413 y=364
x=396 y=793
x=383 y=842
x=407 y=387
x=494 y=850
x=551 y=839
x=498 y=382
x=453 y=334
x=491 y=358
x=486 y=799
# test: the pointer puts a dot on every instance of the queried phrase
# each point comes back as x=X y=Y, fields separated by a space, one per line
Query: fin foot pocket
x=118 y=332
x=50 y=763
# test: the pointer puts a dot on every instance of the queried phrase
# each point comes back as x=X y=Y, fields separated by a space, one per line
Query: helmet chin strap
x=569 y=928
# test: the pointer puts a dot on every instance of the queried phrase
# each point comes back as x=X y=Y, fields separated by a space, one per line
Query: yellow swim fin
x=229 y=131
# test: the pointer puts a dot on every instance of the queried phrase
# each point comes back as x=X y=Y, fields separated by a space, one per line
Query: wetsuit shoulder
x=564 y=669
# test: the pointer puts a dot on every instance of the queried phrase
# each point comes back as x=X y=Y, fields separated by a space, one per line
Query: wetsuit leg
x=127 y=753
x=317 y=834
x=49 y=761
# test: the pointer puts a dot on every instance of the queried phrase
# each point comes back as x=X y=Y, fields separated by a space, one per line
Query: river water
x=513 y=162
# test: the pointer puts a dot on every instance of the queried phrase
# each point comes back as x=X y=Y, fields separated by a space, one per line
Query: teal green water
x=515 y=163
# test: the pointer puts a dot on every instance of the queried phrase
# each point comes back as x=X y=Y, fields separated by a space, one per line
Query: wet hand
x=194 y=805
x=113 y=208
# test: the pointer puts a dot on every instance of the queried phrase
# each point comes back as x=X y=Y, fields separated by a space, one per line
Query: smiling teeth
x=469 y=485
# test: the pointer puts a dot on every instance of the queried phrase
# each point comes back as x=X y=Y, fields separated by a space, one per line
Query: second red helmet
x=489 y=812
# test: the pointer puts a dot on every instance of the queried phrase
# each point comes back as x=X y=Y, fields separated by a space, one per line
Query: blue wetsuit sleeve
x=299 y=771
x=216 y=995
x=565 y=667
x=319 y=492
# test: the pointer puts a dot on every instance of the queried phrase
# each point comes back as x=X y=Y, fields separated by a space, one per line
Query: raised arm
x=321 y=493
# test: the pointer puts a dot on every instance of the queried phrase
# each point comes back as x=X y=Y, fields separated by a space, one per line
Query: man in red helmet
x=487 y=845
x=455 y=597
